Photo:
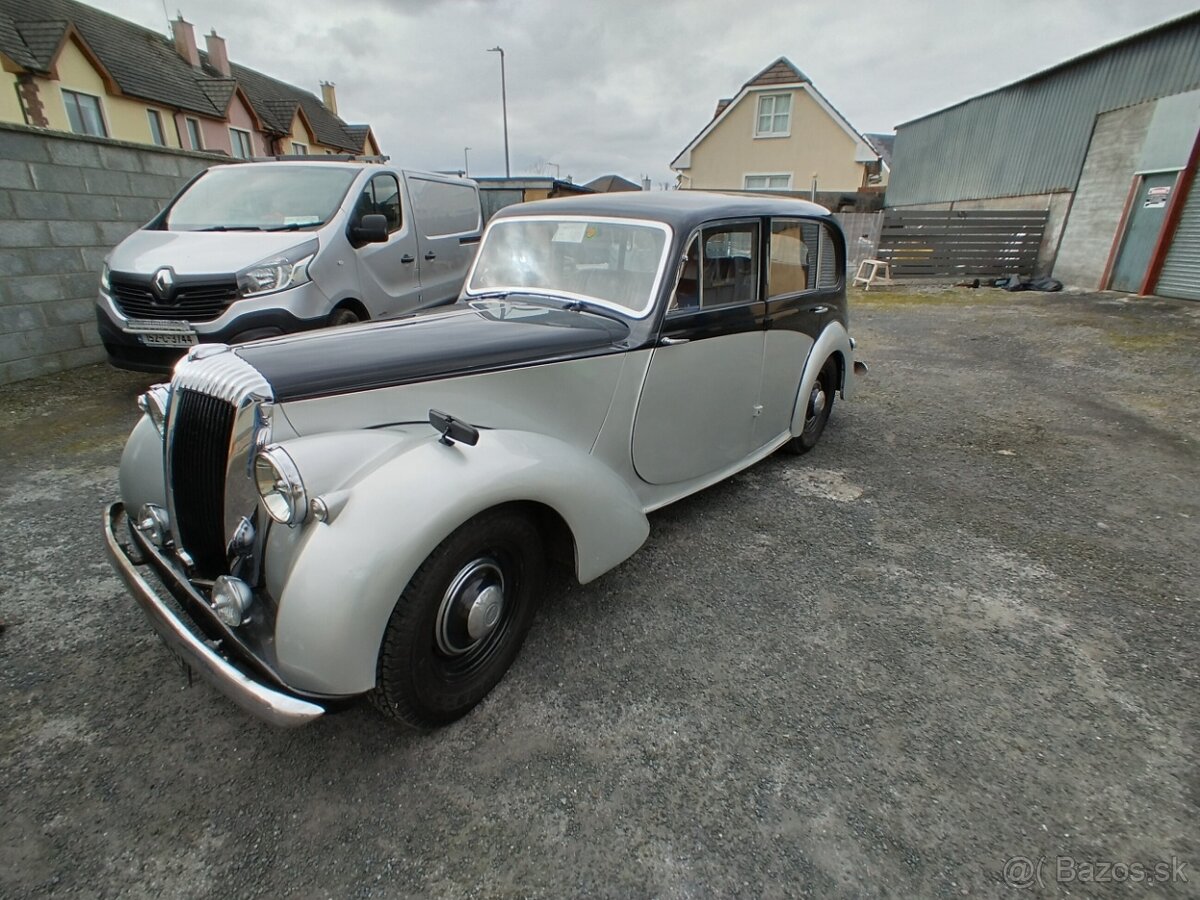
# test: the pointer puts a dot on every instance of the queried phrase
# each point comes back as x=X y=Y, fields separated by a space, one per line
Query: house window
x=83 y=111
x=156 y=127
x=193 y=130
x=299 y=149
x=782 y=182
x=240 y=141
x=774 y=115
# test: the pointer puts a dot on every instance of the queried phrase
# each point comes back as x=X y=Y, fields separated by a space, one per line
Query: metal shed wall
x=1031 y=137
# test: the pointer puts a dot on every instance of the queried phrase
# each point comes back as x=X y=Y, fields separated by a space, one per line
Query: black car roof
x=683 y=210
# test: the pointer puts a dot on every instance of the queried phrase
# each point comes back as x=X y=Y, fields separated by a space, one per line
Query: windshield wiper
x=594 y=308
x=229 y=228
x=293 y=226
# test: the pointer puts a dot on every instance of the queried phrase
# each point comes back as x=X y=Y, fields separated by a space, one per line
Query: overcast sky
x=622 y=86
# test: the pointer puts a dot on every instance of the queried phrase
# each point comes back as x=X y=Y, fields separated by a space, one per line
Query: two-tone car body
x=369 y=510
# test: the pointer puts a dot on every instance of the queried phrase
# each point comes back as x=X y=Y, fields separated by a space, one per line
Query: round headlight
x=279 y=486
x=231 y=599
x=154 y=403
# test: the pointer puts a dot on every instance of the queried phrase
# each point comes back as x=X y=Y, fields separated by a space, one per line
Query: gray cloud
x=621 y=86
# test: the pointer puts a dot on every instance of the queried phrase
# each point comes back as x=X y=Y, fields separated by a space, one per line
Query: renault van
x=259 y=249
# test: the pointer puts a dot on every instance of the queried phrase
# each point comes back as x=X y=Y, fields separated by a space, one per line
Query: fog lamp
x=231 y=599
x=152 y=523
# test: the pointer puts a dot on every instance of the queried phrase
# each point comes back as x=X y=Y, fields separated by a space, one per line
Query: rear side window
x=443 y=208
x=827 y=273
x=381 y=196
x=795 y=248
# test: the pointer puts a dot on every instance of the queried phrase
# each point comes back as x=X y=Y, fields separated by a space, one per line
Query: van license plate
x=168 y=339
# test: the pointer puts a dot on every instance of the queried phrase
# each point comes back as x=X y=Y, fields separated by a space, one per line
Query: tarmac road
x=962 y=631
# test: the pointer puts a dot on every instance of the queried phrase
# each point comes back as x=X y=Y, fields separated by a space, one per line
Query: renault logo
x=163 y=283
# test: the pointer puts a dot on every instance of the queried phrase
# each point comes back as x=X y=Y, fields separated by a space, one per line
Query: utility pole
x=504 y=102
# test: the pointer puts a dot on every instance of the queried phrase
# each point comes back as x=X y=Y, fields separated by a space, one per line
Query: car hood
x=200 y=252
x=463 y=339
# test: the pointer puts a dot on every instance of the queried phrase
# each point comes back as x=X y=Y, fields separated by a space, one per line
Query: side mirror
x=371 y=229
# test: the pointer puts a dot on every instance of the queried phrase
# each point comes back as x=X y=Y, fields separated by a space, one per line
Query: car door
x=698 y=403
x=389 y=276
x=801 y=300
x=448 y=224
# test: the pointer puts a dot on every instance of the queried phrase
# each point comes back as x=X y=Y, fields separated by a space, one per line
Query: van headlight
x=280 y=486
x=279 y=272
x=105 y=283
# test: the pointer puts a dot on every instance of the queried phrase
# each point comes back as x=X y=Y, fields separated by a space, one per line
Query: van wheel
x=819 y=406
x=343 y=316
x=461 y=621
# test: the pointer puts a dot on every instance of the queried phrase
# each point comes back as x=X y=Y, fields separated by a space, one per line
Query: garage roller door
x=1180 y=275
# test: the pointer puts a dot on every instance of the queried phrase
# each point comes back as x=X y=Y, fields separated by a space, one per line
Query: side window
x=381 y=195
x=827 y=274
x=795 y=251
x=729 y=265
x=687 y=289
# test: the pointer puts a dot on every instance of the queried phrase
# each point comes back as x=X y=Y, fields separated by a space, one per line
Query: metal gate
x=1180 y=276
x=958 y=243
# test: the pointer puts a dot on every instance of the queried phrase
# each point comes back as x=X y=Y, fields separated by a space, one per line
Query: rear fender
x=337 y=582
x=834 y=340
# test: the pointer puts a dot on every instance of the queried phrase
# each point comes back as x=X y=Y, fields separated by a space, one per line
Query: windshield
x=616 y=262
x=260 y=198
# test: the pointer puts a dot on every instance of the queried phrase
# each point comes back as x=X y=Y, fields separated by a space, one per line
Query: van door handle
x=819 y=310
x=406 y=258
x=430 y=256
x=671 y=342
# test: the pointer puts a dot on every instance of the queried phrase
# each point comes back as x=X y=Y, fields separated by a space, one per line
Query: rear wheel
x=461 y=621
x=819 y=406
x=343 y=316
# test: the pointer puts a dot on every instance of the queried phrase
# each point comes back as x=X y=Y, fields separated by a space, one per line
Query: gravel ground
x=963 y=630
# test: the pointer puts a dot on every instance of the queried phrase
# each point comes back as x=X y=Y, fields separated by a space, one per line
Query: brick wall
x=65 y=201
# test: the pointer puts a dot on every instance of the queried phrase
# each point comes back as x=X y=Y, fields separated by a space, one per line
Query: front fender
x=833 y=340
x=343 y=577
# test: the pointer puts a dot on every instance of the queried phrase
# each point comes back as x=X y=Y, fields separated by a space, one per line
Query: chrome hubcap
x=816 y=402
x=471 y=608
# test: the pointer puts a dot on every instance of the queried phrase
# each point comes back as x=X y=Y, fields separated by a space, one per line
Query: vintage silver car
x=371 y=510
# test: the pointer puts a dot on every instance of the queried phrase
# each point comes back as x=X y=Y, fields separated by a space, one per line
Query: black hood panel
x=461 y=340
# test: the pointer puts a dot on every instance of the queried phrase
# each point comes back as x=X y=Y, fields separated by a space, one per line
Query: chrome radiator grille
x=215 y=421
x=201 y=428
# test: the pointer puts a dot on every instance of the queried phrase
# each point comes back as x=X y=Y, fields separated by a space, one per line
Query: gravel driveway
x=965 y=629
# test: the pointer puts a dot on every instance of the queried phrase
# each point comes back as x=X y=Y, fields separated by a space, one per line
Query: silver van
x=266 y=248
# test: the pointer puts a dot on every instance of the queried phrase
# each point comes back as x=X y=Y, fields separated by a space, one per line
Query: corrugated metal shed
x=1031 y=137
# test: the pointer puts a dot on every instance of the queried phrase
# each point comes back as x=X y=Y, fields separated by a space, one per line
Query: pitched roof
x=144 y=64
x=609 y=183
x=780 y=72
x=882 y=143
x=359 y=134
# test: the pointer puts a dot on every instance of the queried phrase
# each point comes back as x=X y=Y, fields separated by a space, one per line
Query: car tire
x=443 y=650
x=343 y=316
x=819 y=406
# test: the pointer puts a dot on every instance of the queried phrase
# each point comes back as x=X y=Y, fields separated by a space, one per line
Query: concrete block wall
x=65 y=201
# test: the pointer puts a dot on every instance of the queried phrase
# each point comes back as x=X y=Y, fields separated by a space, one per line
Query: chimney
x=329 y=95
x=185 y=41
x=645 y=182
x=217 y=56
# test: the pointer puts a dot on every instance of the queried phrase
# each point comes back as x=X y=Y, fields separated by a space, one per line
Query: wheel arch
x=833 y=343
x=353 y=304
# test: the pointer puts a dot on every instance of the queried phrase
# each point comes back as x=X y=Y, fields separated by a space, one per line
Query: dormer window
x=774 y=115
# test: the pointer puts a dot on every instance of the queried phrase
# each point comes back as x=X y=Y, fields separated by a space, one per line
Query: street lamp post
x=466 y=162
x=504 y=106
x=556 y=169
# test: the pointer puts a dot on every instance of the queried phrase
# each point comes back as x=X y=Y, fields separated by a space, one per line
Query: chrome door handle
x=671 y=342
x=819 y=310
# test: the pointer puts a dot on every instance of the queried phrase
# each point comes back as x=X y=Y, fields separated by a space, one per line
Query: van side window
x=381 y=196
x=443 y=208
x=795 y=251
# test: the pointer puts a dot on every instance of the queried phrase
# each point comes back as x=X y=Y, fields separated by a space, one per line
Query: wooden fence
x=961 y=243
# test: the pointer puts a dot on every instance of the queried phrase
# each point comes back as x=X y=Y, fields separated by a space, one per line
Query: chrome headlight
x=280 y=486
x=277 y=273
x=155 y=403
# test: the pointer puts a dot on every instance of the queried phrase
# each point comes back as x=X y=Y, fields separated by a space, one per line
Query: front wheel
x=343 y=316
x=819 y=406
x=461 y=621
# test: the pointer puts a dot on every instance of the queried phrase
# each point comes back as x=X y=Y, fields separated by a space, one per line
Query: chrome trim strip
x=263 y=702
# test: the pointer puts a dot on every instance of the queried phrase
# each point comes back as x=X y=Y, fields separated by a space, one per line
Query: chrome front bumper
x=267 y=703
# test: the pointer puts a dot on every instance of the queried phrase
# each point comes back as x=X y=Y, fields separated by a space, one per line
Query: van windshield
x=243 y=197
